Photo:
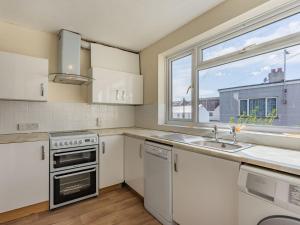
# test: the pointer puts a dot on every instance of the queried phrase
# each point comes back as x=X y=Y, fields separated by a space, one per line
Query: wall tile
x=53 y=116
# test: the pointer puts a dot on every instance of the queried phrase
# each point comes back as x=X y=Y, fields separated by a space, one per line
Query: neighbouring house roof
x=180 y=103
x=210 y=104
x=287 y=82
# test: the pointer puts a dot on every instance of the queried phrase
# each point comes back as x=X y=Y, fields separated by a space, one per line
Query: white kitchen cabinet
x=23 y=77
x=111 y=164
x=24 y=174
x=114 y=59
x=134 y=164
x=115 y=87
x=205 y=189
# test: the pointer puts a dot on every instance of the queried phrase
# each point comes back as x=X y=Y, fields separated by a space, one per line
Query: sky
x=243 y=72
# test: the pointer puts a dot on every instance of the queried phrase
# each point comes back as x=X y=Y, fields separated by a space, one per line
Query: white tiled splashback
x=53 y=116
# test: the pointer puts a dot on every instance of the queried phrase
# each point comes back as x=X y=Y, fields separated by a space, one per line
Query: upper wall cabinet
x=115 y=87
x=116 y=75
x=114 y=59
x=23 y=77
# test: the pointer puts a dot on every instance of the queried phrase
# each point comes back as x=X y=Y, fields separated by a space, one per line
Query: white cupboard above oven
x=23 y=77
x=115 y=87
x=116 y=76
x=24 y=174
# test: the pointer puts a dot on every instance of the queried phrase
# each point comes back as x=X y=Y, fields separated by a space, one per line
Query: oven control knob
x=93 y=140
x=70 y=142
x=66 y=143
x=55 y=144
x=61 y=144
x=75 y=142
x=80 y=141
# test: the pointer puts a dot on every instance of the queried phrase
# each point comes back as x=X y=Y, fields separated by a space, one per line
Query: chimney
x=276 y=76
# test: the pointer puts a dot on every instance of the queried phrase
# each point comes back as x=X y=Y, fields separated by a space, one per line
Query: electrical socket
x=28 y=126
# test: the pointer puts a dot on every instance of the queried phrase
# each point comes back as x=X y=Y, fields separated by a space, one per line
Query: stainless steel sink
x=221 y=145
x=184 y=138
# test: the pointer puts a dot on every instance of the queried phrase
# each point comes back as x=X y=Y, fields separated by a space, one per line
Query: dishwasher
x=158 y=181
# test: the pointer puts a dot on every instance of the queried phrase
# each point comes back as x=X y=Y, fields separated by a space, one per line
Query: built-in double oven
x=73 y=168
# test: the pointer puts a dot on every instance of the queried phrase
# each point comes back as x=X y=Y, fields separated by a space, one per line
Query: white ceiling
x=131 y=24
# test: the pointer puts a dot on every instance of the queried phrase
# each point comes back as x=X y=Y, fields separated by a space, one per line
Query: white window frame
x=169 y=88
x=252 y=51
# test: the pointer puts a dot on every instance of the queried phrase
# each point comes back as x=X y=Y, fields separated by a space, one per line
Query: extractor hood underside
x=69 y=78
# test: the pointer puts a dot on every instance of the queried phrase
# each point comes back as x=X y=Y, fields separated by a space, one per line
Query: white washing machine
x=268 y=198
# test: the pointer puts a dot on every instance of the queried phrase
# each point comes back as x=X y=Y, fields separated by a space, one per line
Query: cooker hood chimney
x=69 y=46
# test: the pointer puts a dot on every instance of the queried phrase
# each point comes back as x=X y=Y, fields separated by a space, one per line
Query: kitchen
x=104 y=123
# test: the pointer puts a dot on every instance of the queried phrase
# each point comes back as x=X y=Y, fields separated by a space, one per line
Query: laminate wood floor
x=117 y=207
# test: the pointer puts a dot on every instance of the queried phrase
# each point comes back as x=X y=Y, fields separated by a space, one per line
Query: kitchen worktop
x=279 y=159
x=26 y=137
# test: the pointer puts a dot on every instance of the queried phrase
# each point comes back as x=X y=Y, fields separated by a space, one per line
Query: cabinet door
x=205 y=189
x=111 y=160
x=134 y=164
x=24 y=174
x=23 y=77
x=134 y=90
x=115 y=87
x=114 y=59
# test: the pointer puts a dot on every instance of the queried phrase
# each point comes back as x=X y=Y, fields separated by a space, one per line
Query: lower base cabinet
x=134 y=164
x=205 y=189
x=24 y=174
x=111 y=163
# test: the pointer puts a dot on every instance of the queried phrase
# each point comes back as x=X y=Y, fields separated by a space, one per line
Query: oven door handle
x=72 y=174
x=74 y=152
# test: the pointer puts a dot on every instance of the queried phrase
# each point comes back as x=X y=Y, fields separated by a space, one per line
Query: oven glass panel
x=68 y=187
x=64 y=159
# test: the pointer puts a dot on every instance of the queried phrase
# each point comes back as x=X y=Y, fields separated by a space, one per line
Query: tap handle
x=215 y=129
x=233 y=130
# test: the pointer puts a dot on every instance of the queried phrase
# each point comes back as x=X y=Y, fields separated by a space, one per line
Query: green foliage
x=253 y=119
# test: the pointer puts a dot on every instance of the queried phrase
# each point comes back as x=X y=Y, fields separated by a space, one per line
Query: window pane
x=243 y=107
x=181 y=80
x=284 y=27
x=271 y=107
x=257 y=107
x=259 y=77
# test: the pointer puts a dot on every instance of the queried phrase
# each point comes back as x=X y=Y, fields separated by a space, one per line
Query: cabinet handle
x=117 y=94
x=140 y=152
x=42 y=89
x=175 y=162
x=103 y=147
x=43 y=152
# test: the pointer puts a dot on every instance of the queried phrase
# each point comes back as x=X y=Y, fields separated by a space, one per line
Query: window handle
x=188 y=89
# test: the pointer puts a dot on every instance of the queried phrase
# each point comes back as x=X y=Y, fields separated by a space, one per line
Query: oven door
x=73 y=185
x=73 y=157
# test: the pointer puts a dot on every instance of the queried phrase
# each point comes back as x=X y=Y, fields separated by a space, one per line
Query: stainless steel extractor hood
x=69 y=60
